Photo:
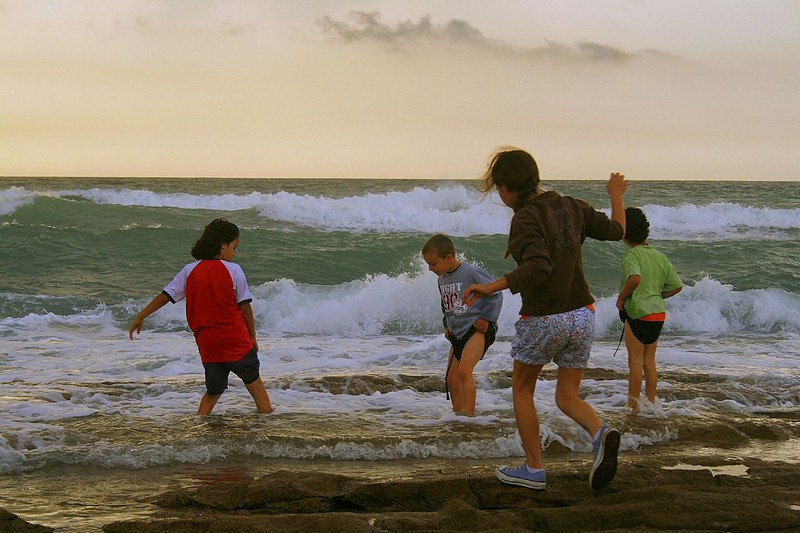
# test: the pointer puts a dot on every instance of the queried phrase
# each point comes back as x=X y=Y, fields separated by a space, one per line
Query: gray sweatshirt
x=458 y=318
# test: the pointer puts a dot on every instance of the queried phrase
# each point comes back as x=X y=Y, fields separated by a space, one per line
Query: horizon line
x=68 y=176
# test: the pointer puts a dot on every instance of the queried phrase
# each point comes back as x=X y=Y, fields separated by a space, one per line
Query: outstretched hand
x=473 y=292
x=479 y=290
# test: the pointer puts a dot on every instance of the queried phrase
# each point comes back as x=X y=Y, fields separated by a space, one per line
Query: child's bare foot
x=633 y=405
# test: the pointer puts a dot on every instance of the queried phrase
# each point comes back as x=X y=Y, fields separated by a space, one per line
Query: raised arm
x=616 y=190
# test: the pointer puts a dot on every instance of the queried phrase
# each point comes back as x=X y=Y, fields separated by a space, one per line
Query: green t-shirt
x=657 y=275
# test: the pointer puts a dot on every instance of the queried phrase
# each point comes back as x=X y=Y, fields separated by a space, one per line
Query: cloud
x=368 y=27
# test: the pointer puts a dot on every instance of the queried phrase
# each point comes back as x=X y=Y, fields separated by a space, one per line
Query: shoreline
x=668 y=487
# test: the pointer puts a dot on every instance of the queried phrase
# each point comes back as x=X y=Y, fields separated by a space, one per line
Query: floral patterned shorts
x=565 y=339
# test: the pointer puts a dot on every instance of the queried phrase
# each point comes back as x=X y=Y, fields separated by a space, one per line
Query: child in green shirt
x=648 y=278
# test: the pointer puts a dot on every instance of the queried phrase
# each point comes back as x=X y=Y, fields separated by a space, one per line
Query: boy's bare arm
x=673 y=292
x=627 y=290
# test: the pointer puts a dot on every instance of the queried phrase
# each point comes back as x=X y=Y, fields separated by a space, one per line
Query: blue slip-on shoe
x=606 y=447
x=520 y=476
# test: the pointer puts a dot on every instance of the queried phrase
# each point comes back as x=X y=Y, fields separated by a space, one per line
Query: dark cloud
x=368 y=27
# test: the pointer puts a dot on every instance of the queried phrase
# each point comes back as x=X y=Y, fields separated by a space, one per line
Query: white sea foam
x=14 y=198
x=68 y=381
x=407 y=305
x=719 y=220
x=456 y=210
x=712 y=307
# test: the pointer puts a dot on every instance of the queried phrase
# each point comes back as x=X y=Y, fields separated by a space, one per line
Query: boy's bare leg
x=650 y=373
x=473 y=351
x=636 y=352
x=207 y=403
x=523 y=386
x=259 y=394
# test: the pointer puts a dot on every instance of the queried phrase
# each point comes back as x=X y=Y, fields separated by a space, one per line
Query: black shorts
x=458 y=344
x=645 y=331
x=247 y=368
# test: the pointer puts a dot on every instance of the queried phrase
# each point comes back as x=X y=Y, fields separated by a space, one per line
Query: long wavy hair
x=218 y=232
x=514 y=169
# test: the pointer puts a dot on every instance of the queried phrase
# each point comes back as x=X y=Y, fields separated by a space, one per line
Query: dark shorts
x=458 y=344
x=247 y=368
x=645 y=331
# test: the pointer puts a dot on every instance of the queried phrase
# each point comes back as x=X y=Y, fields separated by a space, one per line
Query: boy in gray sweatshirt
x=470 y=330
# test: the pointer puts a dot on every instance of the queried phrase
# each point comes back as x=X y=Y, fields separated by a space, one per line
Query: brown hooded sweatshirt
x=545 y=239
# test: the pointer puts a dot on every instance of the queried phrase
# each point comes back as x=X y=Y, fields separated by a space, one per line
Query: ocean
x=349 y=324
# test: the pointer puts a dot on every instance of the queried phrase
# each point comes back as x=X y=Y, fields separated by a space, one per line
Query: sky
x=667 y=89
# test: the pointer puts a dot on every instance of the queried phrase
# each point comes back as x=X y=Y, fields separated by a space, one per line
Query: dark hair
x=218 y=232
x=441 y=244
x=637 y=228
x=514 y=169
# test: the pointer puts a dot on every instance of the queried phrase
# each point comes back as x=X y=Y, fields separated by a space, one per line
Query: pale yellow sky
x=671 y=89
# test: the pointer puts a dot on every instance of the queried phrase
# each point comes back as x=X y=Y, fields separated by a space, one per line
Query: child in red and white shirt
x=219 y=314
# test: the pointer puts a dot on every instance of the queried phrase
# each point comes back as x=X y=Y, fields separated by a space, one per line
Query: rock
x=11 y=523
x=644 y=496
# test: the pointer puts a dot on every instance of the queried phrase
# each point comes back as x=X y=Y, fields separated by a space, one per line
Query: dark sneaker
x=520 y=476
x=606 y=447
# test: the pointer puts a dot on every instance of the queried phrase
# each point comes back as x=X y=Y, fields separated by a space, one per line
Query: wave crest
x=456 y=210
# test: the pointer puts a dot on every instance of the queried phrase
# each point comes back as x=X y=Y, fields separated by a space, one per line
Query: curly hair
x=637 y=228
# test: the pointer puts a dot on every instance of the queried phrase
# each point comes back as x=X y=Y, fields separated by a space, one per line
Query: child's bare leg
x=650 y=373
x=454 y=384
x=259 y=394
x=207 y=403
x=523 y=385
x=635 y=364
x=473 y=351
x=568 y=384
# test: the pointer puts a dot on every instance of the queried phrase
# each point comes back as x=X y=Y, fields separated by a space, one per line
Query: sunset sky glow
x=670 y=89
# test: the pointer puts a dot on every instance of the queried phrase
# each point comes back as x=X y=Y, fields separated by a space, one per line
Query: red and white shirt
x=213 y=289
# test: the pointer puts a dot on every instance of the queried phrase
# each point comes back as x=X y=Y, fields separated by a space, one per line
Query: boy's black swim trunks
x=458 y=344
